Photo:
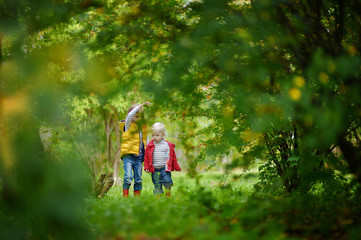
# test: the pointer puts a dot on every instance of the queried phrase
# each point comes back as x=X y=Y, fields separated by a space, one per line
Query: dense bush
x=234 y=211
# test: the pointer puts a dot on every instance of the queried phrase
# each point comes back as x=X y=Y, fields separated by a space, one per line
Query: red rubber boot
x=125 y=193
x=167 y=193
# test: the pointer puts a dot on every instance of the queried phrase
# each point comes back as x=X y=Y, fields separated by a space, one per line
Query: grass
x=195 y=211
x=220 y=206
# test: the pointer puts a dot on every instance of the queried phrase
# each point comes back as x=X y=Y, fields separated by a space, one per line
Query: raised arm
x=130 y=117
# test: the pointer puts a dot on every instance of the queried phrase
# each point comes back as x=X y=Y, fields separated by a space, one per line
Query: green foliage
x=39 y=196
x=190 y=213
x=266 y=65
x=274 y=83
x=236 y=210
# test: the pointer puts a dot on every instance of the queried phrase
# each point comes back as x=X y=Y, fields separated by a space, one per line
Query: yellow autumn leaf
x=249 y=135
x=352 y=50
x=14 y=104
x=295 y=94
x=299 y=81
x=323 y=78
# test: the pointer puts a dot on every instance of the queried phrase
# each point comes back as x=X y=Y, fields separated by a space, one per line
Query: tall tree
x=260 y=66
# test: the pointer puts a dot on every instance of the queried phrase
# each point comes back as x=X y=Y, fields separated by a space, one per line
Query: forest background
x=271 y=86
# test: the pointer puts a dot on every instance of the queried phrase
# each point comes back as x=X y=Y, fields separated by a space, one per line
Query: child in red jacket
x=160 y=160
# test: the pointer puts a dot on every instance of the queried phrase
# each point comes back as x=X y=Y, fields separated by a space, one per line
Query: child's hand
x=147 y=170
x=146 y=103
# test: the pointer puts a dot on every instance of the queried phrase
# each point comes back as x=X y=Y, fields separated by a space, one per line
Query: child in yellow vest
x=132 y=149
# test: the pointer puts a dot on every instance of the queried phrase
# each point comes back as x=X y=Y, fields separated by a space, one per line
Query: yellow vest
x=130 y=139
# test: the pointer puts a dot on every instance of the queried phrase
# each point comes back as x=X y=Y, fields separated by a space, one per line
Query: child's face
x=136 y=117
x=157 y=136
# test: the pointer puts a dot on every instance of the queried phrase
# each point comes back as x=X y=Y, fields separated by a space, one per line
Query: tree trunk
x=352 y=155
x=107 y=134
x=100 y=184
x=1 y=78
x=108 y=184
x=117 y=179
x=103 y=185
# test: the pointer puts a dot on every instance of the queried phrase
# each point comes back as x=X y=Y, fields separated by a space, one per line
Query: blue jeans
x=161 y=178
x=132 y=163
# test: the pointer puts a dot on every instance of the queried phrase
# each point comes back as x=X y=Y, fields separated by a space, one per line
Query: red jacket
x=172 y=163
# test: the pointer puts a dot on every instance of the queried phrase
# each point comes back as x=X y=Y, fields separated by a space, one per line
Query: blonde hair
x=158 y=126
